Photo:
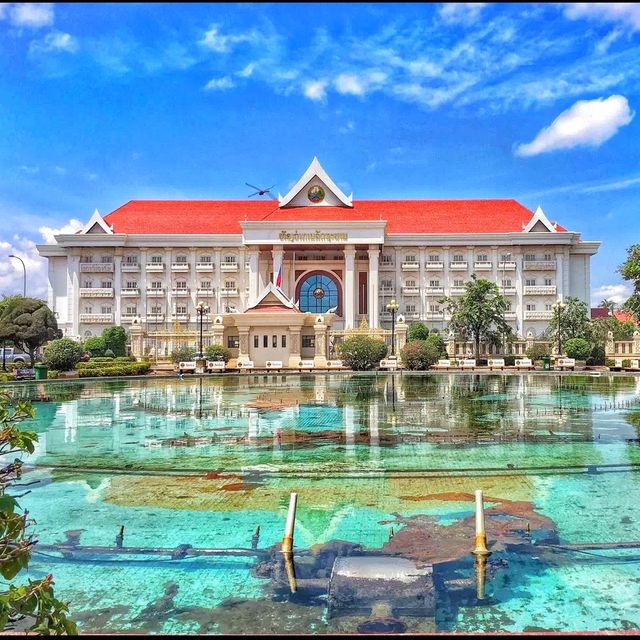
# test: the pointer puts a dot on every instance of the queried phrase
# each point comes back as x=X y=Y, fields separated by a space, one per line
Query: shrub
x=52 y=374
x=96 y=346
x=419 y=355
x=509 y=361
x=417 y=331
x=183 y=354
x=109 y=354
x=63 y=354
x=438 y=343
x=538 y=350
x=577 y=348
x=597 y=355
x=115 y=339
x=215 y=351
x=626 y=363
x=362 y=353
x=610 y=362
x=123 y=369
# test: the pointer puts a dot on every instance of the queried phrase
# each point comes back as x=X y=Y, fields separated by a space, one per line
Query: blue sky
x=106 y=103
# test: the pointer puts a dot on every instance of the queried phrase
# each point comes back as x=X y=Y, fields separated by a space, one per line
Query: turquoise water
x=382 y=464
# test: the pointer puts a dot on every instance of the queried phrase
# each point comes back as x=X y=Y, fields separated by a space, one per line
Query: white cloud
x=219 y=84
x=29 y=169
x=316 y=90
x=617 y=185
x=55 y=41
x=48 y=233
x=347 y=128
x=248 y=70
x=221 y=43
x=34 y=15
x=465 y=13
x=586 y=123
x=623 y=13
x=619 y=293
x=350 y=84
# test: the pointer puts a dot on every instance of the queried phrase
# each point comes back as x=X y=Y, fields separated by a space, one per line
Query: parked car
x=10 y=354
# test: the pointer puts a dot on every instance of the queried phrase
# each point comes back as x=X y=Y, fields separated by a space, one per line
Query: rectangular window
x=410 y=308
x=458 y=283
x=482 y=258
x=88 y=284
x=131 y=284
x=88 y=310
x=106 y=309
x=131 y=310
x=386 y=284
x=181 y=309
x=548 y=257
x=308 y=342
x=229 y=284
x=284 y=340
x=506 y=257
x=206 y=259
x=410 y=283
x=529 y=257
x=205 y=284
x=86 y=259
x=156 y=285
x=233 y=342
x=106 y=259
x=386 y=259
x=256 y=340
x=434 y=283
x=530 y=282
x=181 y=259
x=156 y=259
x=106 y=284
x=434 y=258
x=548 y=307
x=274 y=342
x=508 y=306
x=131 y=260
x=458 y=258
x=410 y=258
x=506 y=282
x=181 y=284
x=547 y=282
x=265 y=341
x=230 y=259
x=531 y=307
x=434 y=308
x=156 y=309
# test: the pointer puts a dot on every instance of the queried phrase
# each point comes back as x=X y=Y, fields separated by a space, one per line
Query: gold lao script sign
x=317 y=236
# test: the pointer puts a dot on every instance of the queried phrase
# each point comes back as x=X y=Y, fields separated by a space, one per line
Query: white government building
x=285 y=279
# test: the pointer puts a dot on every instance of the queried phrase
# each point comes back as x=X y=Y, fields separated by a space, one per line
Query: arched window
x=318 y=293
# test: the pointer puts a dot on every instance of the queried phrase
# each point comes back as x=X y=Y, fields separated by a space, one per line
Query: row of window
x=387 y=258
x=157 y=284
x=506 y=282
x=156 y=259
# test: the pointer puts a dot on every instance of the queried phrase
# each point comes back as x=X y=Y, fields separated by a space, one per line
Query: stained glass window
x=318 y=294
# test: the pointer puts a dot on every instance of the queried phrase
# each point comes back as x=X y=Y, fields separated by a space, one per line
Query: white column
x=254 y=275
x=560 y=292
x=194 y=281
x=219 y=279
x=373 y=298
x=421 y=284
x=117 y=288
x=142 y=283
x=349 y=286
x=73 y=271
x=519 y=283
x=446 y=258
x=278 y=256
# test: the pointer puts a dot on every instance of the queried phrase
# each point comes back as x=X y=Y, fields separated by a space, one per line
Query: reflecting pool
x=199 y=472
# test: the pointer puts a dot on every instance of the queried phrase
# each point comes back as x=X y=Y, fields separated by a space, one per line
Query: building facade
x=149 y=264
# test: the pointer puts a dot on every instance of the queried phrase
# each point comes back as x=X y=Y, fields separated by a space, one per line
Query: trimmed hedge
x=63 y=354
x=131 y=369
x=213 y=351
x=362 y=353
x=419 y=355
x=105 y=362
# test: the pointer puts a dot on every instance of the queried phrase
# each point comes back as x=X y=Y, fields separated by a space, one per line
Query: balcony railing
x=434 y=291
x=412 y=315
x=458 y=266
x=538 y=315
x=128 y=317
x=130 y=292
x=96 y=267
x=510 y=315
x=155 y=317
x=507 y=291
x=387 y=265
x=410 y=291
x=228 y=291
x=483 y=266
x=434 y=266
x=128 y=267
x=506 y=265
x=387 y=291
x=204 y=266
x=540 y=290
x=434 y=315
x=457 y=291
x=411 y=266
x=176 y=292
x=155 y=267
x=96 y=317
x=96 y=292
x=229 y=267
x=206 y=292
x=180 y=317
x=179 y=266
x=155 y=293
x=539 y=265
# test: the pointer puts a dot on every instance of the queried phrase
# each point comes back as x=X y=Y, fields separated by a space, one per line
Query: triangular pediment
x=539 y=223
x=96 y=224
x=273 y=300
x=315 y=189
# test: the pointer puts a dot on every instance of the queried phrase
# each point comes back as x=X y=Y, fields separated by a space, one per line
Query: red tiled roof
x=402 y=216
x=599 y=312
x=271 y=308
x=625 y=316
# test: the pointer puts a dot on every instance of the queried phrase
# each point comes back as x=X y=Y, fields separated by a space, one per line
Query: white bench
x=635 y=364
x=273 y=365
x=618 y=363
x=335 y=364
x=443 y=364
x=469 y=363
x=305 y=364
x=495 y=363
x=187 y=367
x=566 y=363
x=246 y=365
x=523 y=363
x=216 y=365
x=389 y=363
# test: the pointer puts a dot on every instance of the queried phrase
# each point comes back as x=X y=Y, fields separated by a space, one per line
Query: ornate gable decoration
x=539 y=222
x=96 y=224
x=271 y=296
x=315 y=189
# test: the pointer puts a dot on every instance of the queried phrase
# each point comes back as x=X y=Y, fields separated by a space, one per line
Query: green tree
x=537 y=350
x=214 y=351
x=418 y=331
x=610 y=305
x=438 y=343
x=573 y=320
x=63 y=354
x=115 y=338
x=479 y=313
x=577 y=348
x=183 y=354
x=32 y=605
x=630 y=271
x=96 y=346
x=28 y=323
x=362 y=353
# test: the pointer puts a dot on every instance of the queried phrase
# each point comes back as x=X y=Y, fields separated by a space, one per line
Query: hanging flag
x=279 y=277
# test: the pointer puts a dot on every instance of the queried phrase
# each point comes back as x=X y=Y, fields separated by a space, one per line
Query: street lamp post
x=24 y=275
x=393 y=306
x=558 y=307
x=201 y=309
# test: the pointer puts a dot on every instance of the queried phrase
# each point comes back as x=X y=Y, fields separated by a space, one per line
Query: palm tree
x=608 y=304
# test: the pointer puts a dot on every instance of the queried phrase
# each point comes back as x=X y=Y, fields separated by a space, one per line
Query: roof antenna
x=261 y=192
